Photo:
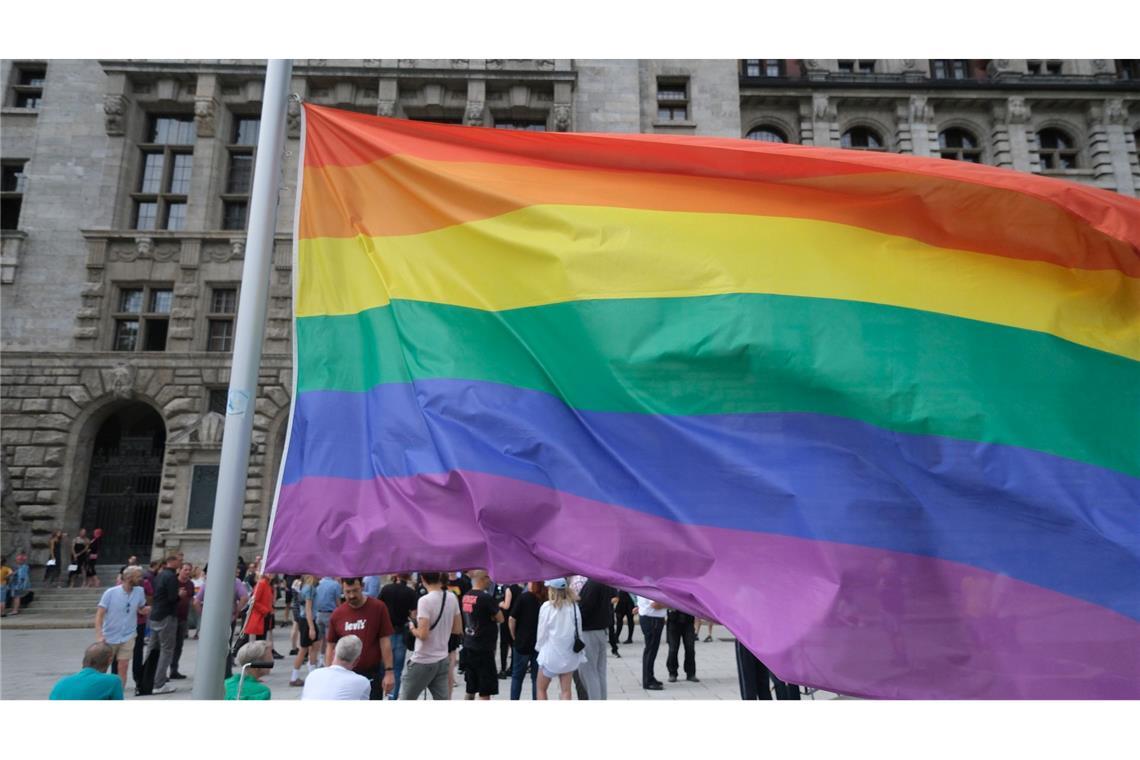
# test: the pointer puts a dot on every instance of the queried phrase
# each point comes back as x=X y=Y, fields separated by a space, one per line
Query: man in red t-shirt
x=368 y=619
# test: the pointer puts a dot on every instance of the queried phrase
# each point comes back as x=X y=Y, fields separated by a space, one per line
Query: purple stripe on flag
x=847 y=618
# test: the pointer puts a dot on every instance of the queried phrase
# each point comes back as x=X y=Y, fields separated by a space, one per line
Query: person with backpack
x=437 y=619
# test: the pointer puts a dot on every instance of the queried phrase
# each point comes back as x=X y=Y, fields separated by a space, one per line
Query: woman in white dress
x=558 y=624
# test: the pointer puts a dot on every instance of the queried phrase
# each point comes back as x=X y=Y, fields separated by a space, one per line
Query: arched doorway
x=124 y=480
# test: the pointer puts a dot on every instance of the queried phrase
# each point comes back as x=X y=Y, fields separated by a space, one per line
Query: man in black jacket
x=164 y=622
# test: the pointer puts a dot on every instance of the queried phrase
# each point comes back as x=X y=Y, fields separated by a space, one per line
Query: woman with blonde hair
x=559 y=646
x=306 y=620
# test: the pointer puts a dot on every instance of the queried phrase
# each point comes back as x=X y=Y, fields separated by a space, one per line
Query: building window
x=959 y=145
x=142 y=317
x=1057 y=150
x=1044 y=68
x=525 y=125
x=203 y=494
x=12 y=193
x=763 y=67
x=220 y=320
x=766 y=133
x=216 y=400
x=672 y=100
x=1128 y=69
x=28 y=85
x=857 y=67
x=164 y=182
x=862 y=138
x=239 y=178
x=945 y=68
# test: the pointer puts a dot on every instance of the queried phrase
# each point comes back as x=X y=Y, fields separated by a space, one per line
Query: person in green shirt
x=251 y=686
x=93 y=682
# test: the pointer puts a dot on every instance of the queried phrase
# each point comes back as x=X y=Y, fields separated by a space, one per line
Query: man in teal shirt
x=93 y=682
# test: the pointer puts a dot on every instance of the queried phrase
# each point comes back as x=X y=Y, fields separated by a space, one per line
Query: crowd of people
x=360 y=638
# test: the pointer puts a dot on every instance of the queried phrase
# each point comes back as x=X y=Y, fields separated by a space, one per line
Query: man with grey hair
x=338 y=681
x=245 y=683
x=92 y=682
x=116 y=616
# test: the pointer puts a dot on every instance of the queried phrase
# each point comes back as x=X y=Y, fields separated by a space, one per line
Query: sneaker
x=166 y=689
x=176 y=676
x=297 y=682
x=692 y=679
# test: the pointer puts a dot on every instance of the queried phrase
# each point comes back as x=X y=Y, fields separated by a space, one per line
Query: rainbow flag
x=878 y=415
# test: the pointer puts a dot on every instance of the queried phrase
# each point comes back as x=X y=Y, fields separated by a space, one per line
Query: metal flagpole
x=216 y=615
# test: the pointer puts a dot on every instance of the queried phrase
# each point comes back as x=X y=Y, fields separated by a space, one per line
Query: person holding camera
x=437 y=621
x=560 y=647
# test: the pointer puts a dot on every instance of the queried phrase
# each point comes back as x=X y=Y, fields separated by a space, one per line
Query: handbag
x=410 y=638
x=579 y=645
x=51 y=562
x=72 y=568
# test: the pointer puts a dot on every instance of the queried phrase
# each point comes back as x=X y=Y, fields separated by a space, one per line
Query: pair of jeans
x=520 y=663
x=651 y=628
x=163 y=634
x=183 y=632
x=753 y=677
x=137 y=655
x=399 y=653
x=679 y=631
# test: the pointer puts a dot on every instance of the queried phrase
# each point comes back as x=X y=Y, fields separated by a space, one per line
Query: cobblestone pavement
x=33 y=660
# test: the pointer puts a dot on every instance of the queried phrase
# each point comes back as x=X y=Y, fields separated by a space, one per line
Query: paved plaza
x=33 y=660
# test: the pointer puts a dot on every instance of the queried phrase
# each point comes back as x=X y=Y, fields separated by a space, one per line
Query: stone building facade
x=126 y=185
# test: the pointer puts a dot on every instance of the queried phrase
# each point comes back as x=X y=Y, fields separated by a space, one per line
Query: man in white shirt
x=116 y=618
x=652 y=616
x=338 y=681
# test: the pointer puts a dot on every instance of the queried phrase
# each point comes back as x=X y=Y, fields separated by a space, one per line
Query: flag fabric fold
x=879 y=415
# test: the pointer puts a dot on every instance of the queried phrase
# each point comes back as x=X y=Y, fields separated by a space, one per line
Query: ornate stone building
x=126 y=186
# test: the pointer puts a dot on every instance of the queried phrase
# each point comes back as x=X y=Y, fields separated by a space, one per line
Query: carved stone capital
x=460 y=63
x=386 y=108
x=123 y=380
x=237 y=248
x=1017 y=110
x=293 y=118
x=114 y=114
x=1115 y=112
x=205 y=109
x=561 y=117
x=473 y=117
x=144 y=246
x=921 y=112
x=822 y=109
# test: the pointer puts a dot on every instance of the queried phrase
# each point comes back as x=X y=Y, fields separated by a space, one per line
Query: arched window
x=862 y=138
x=1057 y=150
x=766 y=133
x=959 y=145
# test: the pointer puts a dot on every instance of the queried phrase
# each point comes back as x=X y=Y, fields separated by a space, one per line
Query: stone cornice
x=256 y=69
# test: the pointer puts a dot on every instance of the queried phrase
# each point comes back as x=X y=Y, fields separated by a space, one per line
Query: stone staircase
x=58 y=608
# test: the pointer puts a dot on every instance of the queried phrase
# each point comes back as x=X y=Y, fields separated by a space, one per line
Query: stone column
x=1108 y=147
x=475 y=113
x=209 y=168
x=1014 y=143
x=915 y=133
x=819 y=122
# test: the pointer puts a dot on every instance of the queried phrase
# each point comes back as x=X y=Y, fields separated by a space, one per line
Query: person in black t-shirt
x=505 y=596
x=524 y=631
x=401 y=600
x=596 y=604
x=481 y=618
